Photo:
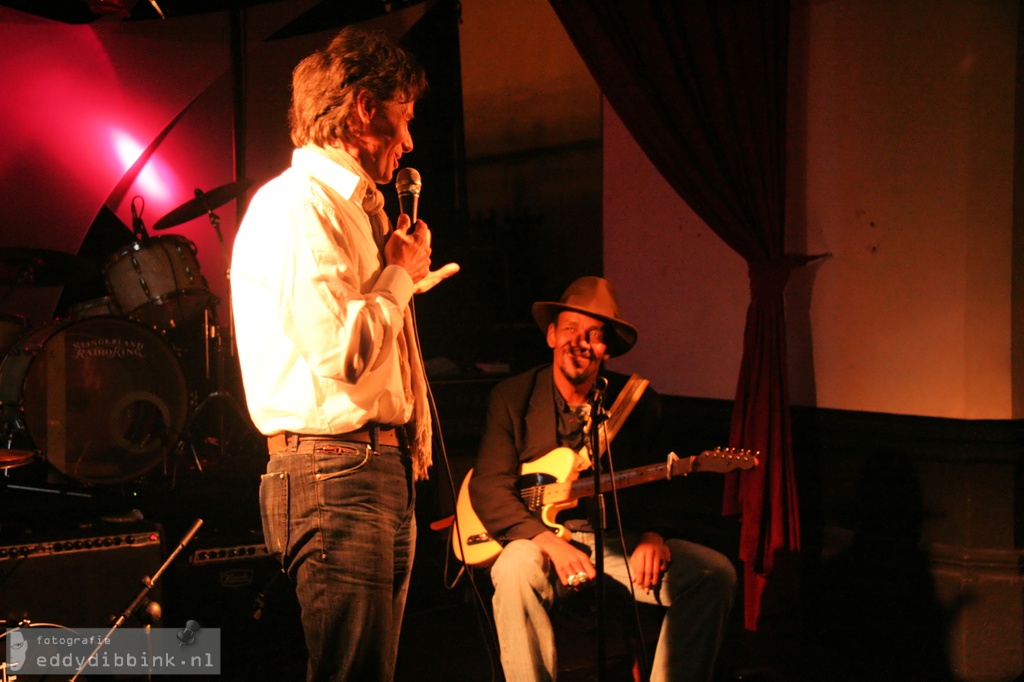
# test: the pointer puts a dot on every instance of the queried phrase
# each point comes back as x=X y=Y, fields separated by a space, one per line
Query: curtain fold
x=701 y=86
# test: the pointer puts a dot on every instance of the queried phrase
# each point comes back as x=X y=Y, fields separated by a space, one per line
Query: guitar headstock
x=724 y=460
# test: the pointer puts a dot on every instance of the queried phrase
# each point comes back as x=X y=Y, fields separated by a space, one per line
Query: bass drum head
x=103 y=399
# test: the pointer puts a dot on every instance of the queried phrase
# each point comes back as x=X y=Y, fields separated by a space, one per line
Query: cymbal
x=203 y=204
x=44 y=267
x=15 y=458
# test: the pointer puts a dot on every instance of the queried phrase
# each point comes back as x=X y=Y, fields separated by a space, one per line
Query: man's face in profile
x=18 y=648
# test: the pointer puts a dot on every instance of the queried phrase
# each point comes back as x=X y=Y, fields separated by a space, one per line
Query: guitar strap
x=617 y=415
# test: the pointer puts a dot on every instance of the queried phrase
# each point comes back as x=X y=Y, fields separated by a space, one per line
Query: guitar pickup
x=479 y=538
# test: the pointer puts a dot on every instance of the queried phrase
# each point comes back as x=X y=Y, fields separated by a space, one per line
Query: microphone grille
x=408 y=180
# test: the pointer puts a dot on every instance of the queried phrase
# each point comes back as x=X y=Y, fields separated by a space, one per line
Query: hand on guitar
x=649 y=560
x=568 y=561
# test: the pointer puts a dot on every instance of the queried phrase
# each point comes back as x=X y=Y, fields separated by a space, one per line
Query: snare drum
x=102 y=399
x=94 y=307
x=157 y=281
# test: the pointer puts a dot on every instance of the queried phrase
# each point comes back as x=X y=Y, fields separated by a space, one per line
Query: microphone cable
x=483 y=614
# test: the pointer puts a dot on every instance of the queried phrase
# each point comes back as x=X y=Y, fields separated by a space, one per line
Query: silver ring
x=581 y=577
x=572 y=579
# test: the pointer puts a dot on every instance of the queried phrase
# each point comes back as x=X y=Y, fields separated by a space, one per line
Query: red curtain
x=701 y=86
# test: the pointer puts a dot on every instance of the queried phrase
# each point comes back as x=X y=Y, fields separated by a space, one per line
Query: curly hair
x=325 y=84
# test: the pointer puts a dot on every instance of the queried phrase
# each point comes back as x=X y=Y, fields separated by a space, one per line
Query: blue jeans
x=697 y=589
x=341 y=518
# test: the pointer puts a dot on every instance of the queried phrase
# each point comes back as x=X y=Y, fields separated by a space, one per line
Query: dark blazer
x=521 y=426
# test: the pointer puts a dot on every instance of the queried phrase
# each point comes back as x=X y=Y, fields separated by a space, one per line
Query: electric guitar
x=551 y=483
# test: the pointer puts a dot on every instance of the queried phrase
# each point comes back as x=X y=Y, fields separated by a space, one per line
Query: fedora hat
x=591 y=296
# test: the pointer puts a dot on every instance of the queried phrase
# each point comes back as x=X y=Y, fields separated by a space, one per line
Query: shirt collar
x=311 y=160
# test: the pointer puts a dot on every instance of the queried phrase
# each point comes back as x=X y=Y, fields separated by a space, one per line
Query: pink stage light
x=156 y=180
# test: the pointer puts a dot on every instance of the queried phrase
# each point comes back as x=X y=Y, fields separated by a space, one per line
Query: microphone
x=586 y=412
x=408 y=184
x=596 y=396
x=137 y=225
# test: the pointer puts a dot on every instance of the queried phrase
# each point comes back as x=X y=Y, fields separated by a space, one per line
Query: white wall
x=682 y=287
x=901 y=168
x=909 y=153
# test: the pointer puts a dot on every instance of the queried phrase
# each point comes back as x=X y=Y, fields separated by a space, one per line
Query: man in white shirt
x=322 y=292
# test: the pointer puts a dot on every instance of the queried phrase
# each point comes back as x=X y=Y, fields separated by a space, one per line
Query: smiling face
x=577 y=341
x=385 y=137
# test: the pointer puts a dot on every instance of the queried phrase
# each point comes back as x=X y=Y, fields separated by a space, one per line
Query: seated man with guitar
x=538 y=423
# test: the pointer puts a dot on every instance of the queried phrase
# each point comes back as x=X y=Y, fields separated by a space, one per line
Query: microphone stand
x=147 y=585
x=598 y=521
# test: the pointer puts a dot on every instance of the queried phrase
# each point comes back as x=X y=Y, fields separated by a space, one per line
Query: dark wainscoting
x=913 y=544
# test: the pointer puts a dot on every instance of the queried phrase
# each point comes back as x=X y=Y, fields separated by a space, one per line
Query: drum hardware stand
x=213 y=331
x=220 y=393
x=53 y=491
x=205 y=203
x=215 y=223
x=141 y=598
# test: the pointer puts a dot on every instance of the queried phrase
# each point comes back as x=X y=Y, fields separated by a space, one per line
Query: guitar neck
x=554 y=493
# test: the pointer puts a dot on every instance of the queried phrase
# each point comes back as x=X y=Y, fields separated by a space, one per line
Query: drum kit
x=101 y=395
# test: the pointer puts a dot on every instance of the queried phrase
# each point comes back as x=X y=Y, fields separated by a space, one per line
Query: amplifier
x=228 y=554
x=78 y=578
x=226 y=582
x=232 y=583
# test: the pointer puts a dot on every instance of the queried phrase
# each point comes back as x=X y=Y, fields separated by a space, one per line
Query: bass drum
x=102 y=399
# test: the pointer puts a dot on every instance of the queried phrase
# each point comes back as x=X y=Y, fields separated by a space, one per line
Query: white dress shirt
x=317 y=316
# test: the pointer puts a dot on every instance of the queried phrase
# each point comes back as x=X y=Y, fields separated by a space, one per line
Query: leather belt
x=373 y=435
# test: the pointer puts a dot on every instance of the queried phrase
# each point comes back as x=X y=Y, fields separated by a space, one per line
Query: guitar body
x=551 y=483
x=472 y=543
x=558 y=466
